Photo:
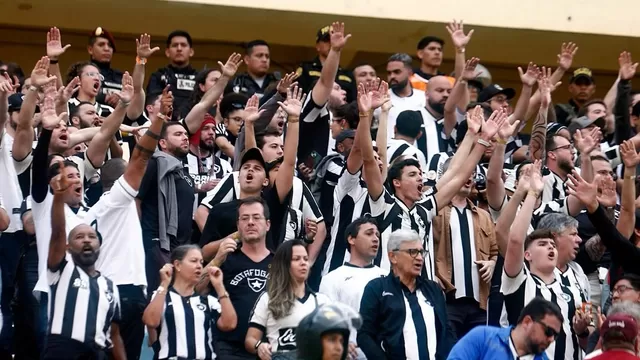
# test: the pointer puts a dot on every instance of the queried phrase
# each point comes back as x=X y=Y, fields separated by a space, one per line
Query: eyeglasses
x=413 y=252
x=94 y=74
x=620 y=289
x=501 y=100
x=548 y=331
x=568 y=147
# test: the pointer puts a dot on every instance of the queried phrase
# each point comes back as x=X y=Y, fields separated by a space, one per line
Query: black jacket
x=244 y=84
x=380 y=336
x=181 y=82
x=309 y=72
x=112 y=80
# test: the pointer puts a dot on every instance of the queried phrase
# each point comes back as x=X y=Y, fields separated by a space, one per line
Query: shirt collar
x=369 y=266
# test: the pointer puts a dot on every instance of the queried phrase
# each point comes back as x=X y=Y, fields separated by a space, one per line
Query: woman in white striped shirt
x=183 y=318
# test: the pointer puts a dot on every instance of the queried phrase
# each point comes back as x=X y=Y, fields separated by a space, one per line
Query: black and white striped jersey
x=82 y=307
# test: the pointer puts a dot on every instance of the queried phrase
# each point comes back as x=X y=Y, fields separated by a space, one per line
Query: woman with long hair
x=183 y=318
x=204 y=81
x=287 y=300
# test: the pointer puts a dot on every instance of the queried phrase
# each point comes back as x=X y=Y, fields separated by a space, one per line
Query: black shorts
x=58 y=347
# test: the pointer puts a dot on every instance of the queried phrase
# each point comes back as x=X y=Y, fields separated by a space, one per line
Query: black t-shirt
x=221 y=222
x=244 y=280
x=149 y=206
x=586 y=231
x=277 y=216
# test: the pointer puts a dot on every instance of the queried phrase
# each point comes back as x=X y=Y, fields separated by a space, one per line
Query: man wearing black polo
x=257 y=78
x=309 y=71
x=178 y=73
x=582 y=87
x=101 y=48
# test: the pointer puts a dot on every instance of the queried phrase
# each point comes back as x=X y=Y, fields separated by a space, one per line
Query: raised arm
x=194 y=119
x=462 y=154
x=58 y=241
x=292 y=106
x=65 y=93
x=152 y=316
x=252 y=114
x=514 y=256
x=100 y=143
x=143 y=52
x=509 y=212
x=382 y=136
x=23 y=138
x=537 y=142
x=323 y=87
x=371 y=170
x=621 y=109
x=495 y=184
x=627 y=218
x=458 y=94
x=147 y=144
x=528 y=79
x=447 y=190
x=459 y=41
x=54 y=51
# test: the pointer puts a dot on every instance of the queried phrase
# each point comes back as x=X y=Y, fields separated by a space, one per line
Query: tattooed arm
x=539 y=129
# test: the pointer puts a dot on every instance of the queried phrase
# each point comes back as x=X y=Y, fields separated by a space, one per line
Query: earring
x=341 y=127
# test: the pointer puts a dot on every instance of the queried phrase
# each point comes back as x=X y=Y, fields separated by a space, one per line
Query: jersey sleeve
x=512 y=284
x=117 y=311
x=327 y=287
x=495 y=213
x=215 y=307
x=223 y=192
x=310 y=208
x=379 y=206
x=53 y=277
x=121 y=194
x=260 y=313
x=220 y=130
x=431 y=206
x=346 y=183
x=310 y=110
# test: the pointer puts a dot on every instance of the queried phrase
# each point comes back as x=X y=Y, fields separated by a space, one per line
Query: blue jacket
x=380 y=336
x=486 y=343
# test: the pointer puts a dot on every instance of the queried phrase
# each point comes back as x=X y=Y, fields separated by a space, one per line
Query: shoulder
x=322 y=298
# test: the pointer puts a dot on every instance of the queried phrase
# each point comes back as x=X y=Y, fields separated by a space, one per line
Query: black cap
x=253 y=154
x=103 y=33
x=582 y=73
x=324 y=34
x=273 y=164
x=476 y=84
x=345 y=134
x=494 y=89
x=15 y=102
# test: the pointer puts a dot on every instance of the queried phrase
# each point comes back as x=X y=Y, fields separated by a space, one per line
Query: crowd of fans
x=222 y=215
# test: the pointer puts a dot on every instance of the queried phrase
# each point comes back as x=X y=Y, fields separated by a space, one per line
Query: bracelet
x=483 y=142
x=367 y=114
x=293 y=119
x=531 y=192
x=141 y=61
x=501 y=141
x=52 y=61
x=257 y=345
x=630 y=177
x=144 y=149
x=460 y=50
x=161 y=290
x=225 y=295
x=125 y=103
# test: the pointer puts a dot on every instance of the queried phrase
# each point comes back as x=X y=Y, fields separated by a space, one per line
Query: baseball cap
x=582 y=72
x=494 y=89
x=619 y=327
x=323 y=34
x=103 y=33
x=554 y=128
x=253 y=154
x=273 y=164
x=583 y=122
x=345 y=134
x=15 y=102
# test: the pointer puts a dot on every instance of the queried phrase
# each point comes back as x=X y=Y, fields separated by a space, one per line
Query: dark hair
x=635 y=110
x=76 y=69
x=550 y=142
x=598 y=157
x=176 y=33
x=263 y=134
x=280 y=284
x=111 y=171
x=538 y=308
x=251 y=44
x=395 y=170
x=520 y=168
x=537 y=235
x=253 y=200
x=151 y=98
x=409 y=124
x=352 y=230
x=486 y=108
x=348 y=112
x=633 y=279
x=232 y=102
x=167 y=125
x=425 y=41
x=76 y=110
x=585 y=108
x=403 y=58
x=197 y=93
x=54 y=169
x=181 y=251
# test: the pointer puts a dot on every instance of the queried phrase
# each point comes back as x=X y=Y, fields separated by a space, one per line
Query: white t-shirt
x=282 y=332
x=415 y=101
x=115 y=218
x=9 y=185
x=346 y=285
x=41 y=213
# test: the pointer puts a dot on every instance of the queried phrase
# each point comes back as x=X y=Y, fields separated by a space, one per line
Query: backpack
x=317 y=180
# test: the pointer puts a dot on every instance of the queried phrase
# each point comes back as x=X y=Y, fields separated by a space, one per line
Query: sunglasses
x=413 y=252
x=548 y=331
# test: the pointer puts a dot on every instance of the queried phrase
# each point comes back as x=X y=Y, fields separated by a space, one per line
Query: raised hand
x=215 y=276
x=586 y=192
x=229 y=68
x=475 y=118
x=608 y=196
x=39 y=74
x=627 y=66
x=166 y=102
x=379 y=90
x=458 y=38
x=338 y=38
x=126 y=94
x=286 y=82
x=364 y=99
x=630 y=156
x=48 y=116
x=530 y=77
x=536 y=183
x=507 y=130
x=386 y=101
x=586 y=143
x=293 y=105
x=524 y=183
x=544 y=86
x=54 y=44
x=251 y=110
x=6 y=84
x=65 y=93
x=469 y=71
x=166 y=273
x=567 y=52
x=143 y=47
x=490 y=127
x=310 y=228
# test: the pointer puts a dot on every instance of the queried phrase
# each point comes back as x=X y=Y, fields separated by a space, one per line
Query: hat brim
x=510 y=93
x=272 y=165
x=253 y=154
x=582 y=76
